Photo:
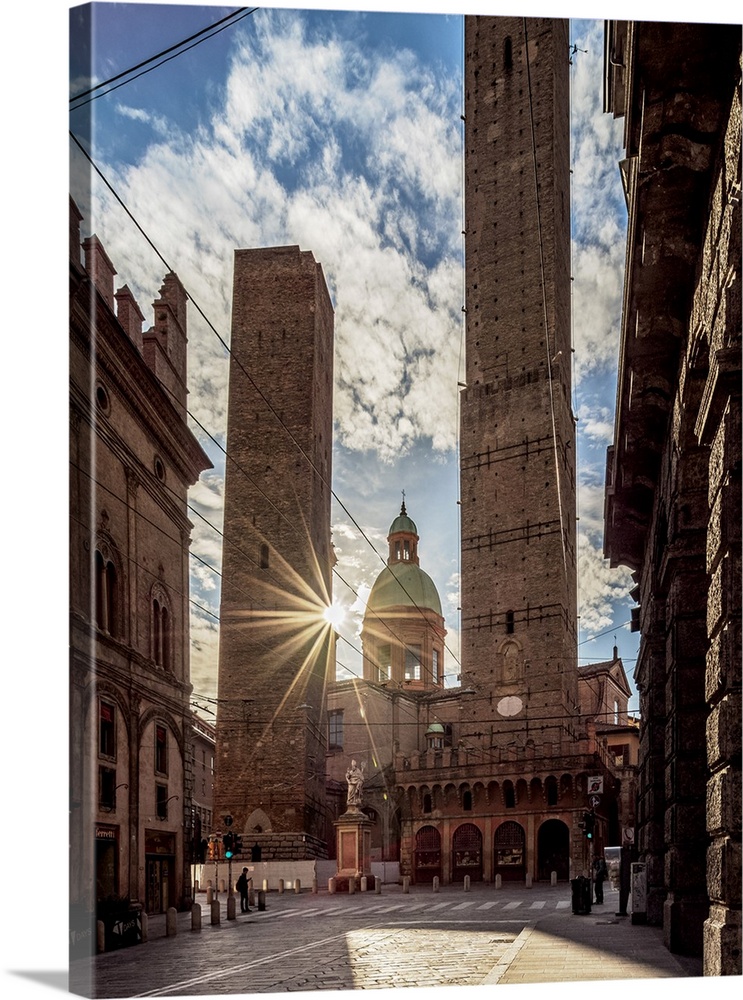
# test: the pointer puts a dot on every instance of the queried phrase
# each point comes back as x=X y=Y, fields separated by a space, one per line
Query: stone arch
x=566 y=786
x=522 y=791
x=466 y=853
x=535 y=789
x=427 y=854
x=509 y=849
x=551 y=790
x=553 y=850
x=257 y=822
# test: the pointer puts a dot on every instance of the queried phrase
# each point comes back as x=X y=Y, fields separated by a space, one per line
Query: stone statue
x=355 y=779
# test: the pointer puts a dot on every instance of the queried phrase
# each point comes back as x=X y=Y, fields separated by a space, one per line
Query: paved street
x=342 y=942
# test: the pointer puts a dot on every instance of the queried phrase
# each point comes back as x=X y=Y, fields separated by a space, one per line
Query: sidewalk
x=598 y=945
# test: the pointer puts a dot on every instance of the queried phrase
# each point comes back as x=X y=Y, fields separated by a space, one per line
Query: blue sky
x=341 y=131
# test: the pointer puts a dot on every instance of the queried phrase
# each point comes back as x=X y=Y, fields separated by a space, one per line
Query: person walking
x=600 y=873
x=242 y=888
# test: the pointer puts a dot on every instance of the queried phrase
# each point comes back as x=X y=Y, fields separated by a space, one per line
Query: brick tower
x=276 y=647
x=517 y=450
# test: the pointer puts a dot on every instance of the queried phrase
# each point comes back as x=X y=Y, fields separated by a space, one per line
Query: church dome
x=401 y=584
x=403 y=523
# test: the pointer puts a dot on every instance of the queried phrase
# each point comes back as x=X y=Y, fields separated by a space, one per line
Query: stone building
x=276 y=646
x=673 y=487
x=132 y=459
x=203 y=740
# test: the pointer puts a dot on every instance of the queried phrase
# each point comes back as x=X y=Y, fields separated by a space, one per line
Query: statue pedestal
x=353 y=839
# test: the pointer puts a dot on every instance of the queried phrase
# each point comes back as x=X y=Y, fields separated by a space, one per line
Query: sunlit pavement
x=321 y=941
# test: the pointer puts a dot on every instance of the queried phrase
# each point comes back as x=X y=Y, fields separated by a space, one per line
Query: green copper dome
x=402 y=584
x=403 y=523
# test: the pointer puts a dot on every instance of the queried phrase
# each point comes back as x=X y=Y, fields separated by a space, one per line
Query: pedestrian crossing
x=468 y=908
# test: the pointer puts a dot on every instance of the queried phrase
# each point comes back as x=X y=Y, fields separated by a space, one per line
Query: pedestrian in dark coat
x=242 y=888
x=600 y=873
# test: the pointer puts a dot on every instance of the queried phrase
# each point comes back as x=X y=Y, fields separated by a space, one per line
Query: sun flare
x=334 y=614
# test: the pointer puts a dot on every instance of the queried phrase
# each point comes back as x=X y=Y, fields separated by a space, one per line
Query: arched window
x=467 y=801
x=161 y=630
x=427 y=803
x=264 y=556
x=106 y=588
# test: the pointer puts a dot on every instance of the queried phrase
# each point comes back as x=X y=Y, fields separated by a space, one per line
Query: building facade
x=673 y=487
x=276 y=646
x=132 y=459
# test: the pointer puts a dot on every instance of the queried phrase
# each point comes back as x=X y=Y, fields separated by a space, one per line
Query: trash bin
x=581 y=887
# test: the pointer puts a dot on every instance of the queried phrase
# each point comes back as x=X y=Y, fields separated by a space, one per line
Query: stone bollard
x=170 y=924
x=297 y=886
x=196 y=917
x=251 y=895
x=466 y=883
x=261 y=899
x=144 y=918
x=222 y=885
x=230 y=907
x=265 y=885
x=553 y=878
x=498 y=881
x=215 y=912
x=363 y=883
x=378 y=886
x=314 y=885
x=195 y=885
x=209 y=896
x=281 y=886
x=351 y=885
x=331 y=885
x=529 y=880
x=435 y=883
x=100 y=936
x=406 y=883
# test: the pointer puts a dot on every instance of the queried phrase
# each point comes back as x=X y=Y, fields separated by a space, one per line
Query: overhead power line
x=146 y=66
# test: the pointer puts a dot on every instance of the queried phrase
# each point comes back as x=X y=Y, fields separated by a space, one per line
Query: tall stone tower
x=517 y=449
x=276 y=647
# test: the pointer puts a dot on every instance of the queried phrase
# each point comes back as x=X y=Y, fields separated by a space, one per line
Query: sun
x=334 y=614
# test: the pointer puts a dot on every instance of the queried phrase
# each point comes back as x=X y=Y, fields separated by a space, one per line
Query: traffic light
x=237 y=843
x=589 y=821
x=227 y=840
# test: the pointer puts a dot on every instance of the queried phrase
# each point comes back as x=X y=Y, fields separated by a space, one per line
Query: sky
x=35 y=515
x=341 y=132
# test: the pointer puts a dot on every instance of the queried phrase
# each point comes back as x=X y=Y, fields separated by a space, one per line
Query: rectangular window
x=161 y=750
x=161 y=801
x=435 y=666
x=106 y=788
x=384 y=668
x=412 y=663
x=335 y=729
x=106 y=730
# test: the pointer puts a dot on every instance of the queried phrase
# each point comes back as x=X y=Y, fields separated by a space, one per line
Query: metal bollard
x=297 y=885
x=261 y=900
x=498 y=881
x=406 y=883
x=281 y=885
x=216 y=916
x=529 y=880
x=331 y=885
x=170 y=924
x=466 y=883
x=196 y=917
x=351 y=885
x=230 y=907
x=553 y=878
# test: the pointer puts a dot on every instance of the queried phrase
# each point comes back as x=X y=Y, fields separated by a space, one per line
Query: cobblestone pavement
x=339 y=942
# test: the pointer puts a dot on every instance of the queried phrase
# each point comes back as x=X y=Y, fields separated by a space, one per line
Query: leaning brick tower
x=276 y=648
x=517 y=452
